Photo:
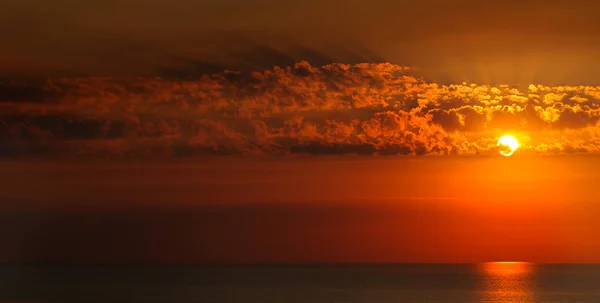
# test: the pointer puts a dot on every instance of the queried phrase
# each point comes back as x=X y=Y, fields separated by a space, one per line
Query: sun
x=508 y=144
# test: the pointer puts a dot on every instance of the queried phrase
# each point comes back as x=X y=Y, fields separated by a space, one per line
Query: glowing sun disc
x=508 y=144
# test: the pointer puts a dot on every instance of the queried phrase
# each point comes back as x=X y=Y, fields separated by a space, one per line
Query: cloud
x=368 y=108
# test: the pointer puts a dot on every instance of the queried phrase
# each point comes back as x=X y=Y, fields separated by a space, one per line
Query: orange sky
x=307 y=209
x=302 y=163
x=269 y=131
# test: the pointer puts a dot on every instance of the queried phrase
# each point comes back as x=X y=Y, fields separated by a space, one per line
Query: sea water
x=313 y=283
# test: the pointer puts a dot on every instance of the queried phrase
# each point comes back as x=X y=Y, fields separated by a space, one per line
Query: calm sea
x=489 y=282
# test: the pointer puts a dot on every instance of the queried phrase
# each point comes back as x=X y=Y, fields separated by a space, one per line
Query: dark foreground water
x=490 y=282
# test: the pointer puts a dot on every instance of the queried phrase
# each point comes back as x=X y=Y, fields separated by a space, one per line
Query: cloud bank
x=370 y=109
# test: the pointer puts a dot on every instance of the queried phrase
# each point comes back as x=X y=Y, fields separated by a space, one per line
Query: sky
x=321 y=131
x=324 y=209
x=487 y=42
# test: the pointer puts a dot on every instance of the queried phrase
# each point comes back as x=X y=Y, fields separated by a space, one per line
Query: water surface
x=489 y=282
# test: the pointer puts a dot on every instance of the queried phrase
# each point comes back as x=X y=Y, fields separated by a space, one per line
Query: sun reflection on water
x=507 y=282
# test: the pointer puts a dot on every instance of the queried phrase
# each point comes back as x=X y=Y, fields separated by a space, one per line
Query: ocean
x=373 y=283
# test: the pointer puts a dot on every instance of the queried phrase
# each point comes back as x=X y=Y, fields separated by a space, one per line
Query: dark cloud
x=242 y=52
x=24 y=92
x=366 y=108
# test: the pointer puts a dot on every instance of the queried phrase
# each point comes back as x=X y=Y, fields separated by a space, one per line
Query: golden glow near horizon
x=507 y=268
x=508 y=144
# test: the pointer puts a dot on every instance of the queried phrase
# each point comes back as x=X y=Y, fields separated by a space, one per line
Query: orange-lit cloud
x=332 y=109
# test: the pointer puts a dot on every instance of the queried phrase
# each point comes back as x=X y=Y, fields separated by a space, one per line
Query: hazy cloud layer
x=333 y=109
